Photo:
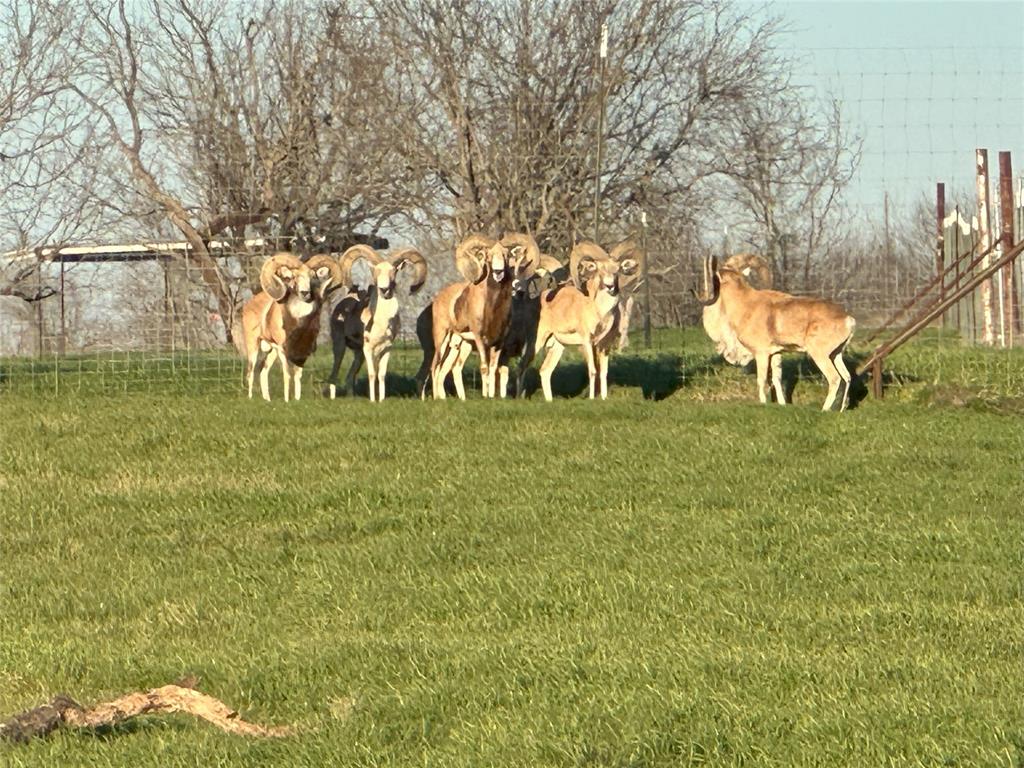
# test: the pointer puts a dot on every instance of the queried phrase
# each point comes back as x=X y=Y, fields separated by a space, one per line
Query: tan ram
x=586 y=313
x=747 y=322
x=282 y=321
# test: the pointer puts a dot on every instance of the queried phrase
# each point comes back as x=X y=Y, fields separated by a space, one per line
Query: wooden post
x=940 y=215
x=876 y=379
x=988 y=335
x=1012 y=314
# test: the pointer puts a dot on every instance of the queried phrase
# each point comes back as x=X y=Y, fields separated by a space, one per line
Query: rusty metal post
x=940 y=215
x=988 y=335
x=1012 y=319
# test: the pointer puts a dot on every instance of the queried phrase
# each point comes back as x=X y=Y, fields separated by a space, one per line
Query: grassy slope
x=620 y=583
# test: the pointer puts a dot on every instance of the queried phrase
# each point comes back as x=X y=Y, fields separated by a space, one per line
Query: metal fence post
x=600 y=133
x=647 y=280
x=1012 y=315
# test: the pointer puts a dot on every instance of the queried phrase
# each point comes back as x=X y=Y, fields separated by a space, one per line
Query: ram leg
x=775 y=361
x=353 y=371
x=447 y=357
x=763 y=374
x=494 y=356
x=338 y=347
x=269 y=358
x=253 y=365
x=503 y=381
x=371 y=372
x=485 y=360
x=286 y=375
x=382 y=374
x=297 y=381
x=588 y=357
x=525 y=360
x=831 y=373
x=844 y=373
x=602 y=372
x=436 y=363
x=554 y=354
x=461 y=355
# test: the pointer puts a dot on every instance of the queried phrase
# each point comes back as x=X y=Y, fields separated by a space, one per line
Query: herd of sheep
x=513 y=301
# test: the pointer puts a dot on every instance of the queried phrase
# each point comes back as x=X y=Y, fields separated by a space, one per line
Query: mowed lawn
x=626 y=583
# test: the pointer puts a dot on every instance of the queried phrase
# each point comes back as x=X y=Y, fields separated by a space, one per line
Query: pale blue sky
x=923 y=82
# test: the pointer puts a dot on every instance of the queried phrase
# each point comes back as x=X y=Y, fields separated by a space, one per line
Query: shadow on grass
x=656 y=377
x=796 y=369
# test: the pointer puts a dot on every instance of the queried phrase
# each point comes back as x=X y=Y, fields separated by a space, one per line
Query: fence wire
x=124 y=318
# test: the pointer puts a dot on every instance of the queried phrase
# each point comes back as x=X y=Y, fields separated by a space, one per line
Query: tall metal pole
x=646 y=279
x=940 y=216
x=63 y=317
x=600 y=133
x=888 y=266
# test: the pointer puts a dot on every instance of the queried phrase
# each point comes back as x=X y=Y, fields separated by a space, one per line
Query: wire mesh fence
x=130 y=316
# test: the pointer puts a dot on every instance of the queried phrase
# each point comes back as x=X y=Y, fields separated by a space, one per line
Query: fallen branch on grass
x=177 y=697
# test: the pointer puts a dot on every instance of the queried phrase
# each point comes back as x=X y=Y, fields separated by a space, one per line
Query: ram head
x=385 y=270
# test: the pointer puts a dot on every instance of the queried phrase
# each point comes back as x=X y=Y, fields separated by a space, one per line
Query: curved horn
x=415 y=258
x=742 y=262
x=469 y=256
x=270 y=279
x=354 y=254
x=588 y=251
x=631 y=259
x=335 y=274
x=553 y=268
x=531 y=251
x=549 y=264
x=543 y=280
x=711 y=283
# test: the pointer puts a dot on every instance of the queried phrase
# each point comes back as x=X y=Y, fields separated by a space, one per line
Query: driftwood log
x=63 y=711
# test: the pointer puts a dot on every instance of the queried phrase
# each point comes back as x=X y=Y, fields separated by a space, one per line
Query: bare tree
x=289 y=115
x=273 y=121
x=113 y=87
x=788 y=168
x=513 y=93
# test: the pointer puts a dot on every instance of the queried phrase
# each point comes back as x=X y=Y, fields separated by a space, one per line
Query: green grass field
x=688 y=580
